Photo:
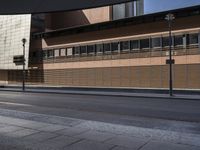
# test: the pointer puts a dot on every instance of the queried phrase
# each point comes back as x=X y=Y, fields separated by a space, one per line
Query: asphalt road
x=169 y=114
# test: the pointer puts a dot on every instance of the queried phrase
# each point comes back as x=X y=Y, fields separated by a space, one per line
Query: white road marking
x=17 y=104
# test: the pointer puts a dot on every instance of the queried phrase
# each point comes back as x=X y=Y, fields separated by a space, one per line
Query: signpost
x=20 y=60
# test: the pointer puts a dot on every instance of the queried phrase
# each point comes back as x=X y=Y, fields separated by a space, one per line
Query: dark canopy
x=40 y=6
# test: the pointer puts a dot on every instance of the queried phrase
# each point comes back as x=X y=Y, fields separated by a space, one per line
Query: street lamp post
x=23 y=81
x=170 y=17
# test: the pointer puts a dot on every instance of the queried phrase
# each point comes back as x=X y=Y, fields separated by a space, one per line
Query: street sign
x=168 y=61
x=18 y=59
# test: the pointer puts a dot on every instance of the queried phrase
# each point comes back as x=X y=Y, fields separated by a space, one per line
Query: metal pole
x=23 y=81
x=170 y=18
x=170 y=58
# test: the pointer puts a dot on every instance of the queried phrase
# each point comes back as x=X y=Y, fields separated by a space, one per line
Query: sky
x=152 y=6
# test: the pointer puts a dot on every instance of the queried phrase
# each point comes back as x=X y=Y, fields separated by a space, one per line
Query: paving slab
x=89 y=145
x=183 y=138
x=129 y=142
x=72 y=131
x=52 y=128
x=21 y=133
x=10 y=128
x=121 y=148
x=167 y=146
x=13 y=121
x=40 y=137
x=35 y=125
x=57 y=143
x=96 y=136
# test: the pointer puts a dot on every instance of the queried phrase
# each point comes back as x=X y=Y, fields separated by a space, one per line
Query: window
x=99 y=48
x=194 y=39
x=50 y=53
x=119 y=11
x=129 y=9
x=144 y=44
x=178 y=40
x=125 y=45
x=62 y=52
x=156 y=42
x=57 y=53
x=83 y=50
x=76 y=50
x=135 y=45
x=69 y=52
x=107 y=47
x=165 y=41
x=44 y=54
x=91 y=49
x=115 y=47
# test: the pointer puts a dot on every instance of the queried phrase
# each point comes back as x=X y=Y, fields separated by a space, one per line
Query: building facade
x=125 y=53
x=13 y=28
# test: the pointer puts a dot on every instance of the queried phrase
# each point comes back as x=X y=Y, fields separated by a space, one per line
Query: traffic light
x=18 y=60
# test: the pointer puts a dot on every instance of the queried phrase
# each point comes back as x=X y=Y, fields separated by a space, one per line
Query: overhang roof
x=179 y=13
x=43 y=6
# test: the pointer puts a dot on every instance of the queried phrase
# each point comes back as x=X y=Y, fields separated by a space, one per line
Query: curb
x=103 y=94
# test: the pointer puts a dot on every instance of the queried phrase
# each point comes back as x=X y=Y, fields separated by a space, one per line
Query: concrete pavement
x=48 y=132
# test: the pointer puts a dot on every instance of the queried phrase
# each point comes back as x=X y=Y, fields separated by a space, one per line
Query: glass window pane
x=99 y=48
x=50 y=53
x=144 y=43
x=44 y=54
x=76 y=50
x=193 y=38
x=91 y=48
x=165 y=41
x=63 y=52
x=125 y=45
x=129 y=9
x=69 y=51
x=119 y=11
x=135 y=44
x=178 y=40
x=83 y=49
x=107 y=47
x=156 y=42
x=57 y=53
x=115 y=46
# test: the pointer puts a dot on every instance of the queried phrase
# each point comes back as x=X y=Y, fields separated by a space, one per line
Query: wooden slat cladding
x=185 y=76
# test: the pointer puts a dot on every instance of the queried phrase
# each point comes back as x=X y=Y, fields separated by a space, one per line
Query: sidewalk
x=90 y=91
x=31 y=131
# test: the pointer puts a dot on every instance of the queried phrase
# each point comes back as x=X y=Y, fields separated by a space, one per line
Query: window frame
x=156 y=47
x=125 y=50
x=145 y=48
x=49 y=52
x=75 y=50
x=175 y=38
x=101 y=46
x=118 y=47
x=55 y=53
x=189 y=39
x=131 y=45
x=94 y=49
x=106 y=52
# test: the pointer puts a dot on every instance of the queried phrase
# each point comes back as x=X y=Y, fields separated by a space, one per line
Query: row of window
x=142 y=44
